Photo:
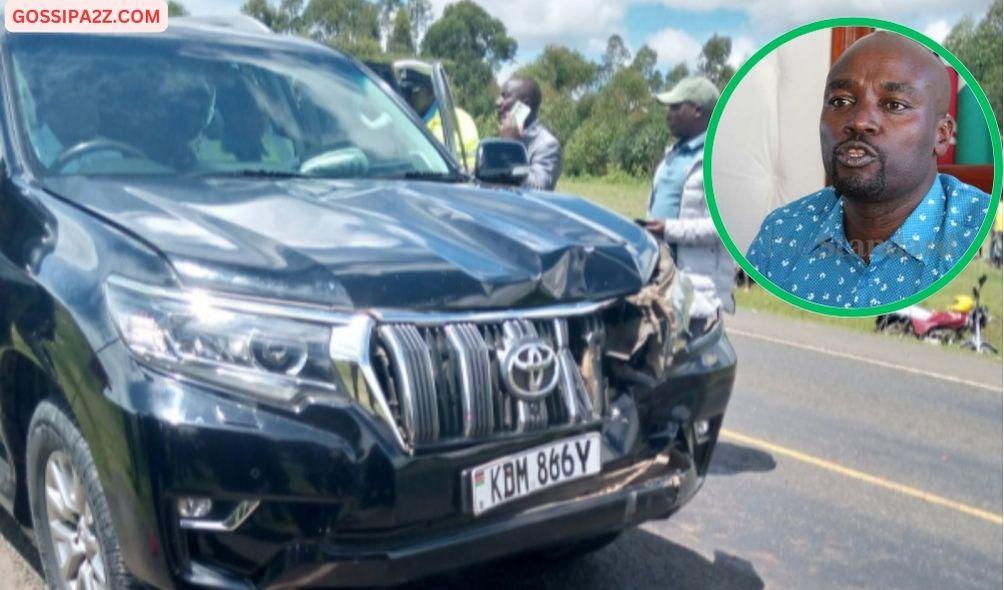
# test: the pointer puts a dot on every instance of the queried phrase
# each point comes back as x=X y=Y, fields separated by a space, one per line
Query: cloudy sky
x=676 y=29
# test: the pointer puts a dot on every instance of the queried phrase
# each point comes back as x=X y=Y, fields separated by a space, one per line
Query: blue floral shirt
x=802 y=248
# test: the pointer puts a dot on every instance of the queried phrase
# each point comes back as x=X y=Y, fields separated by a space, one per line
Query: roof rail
x=237 y=22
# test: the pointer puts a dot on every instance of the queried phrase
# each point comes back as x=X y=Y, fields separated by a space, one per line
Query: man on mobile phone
x=518 y=106
x=677 y=209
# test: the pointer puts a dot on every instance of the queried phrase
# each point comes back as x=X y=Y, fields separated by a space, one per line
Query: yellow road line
x=862 y=359
x=861 y=476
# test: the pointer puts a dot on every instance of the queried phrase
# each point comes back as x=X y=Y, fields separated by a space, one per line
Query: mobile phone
x=519 y=113
x=640 y=221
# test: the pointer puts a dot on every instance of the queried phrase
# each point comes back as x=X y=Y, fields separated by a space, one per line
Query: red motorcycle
x=966 y=315
x=943 y=326
x=946 y=325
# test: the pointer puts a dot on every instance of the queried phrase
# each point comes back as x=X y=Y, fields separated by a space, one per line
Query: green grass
x=760 y=300
x=757 y=299
x=629 y=197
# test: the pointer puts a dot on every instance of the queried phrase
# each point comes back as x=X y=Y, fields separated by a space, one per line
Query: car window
x=139 y=106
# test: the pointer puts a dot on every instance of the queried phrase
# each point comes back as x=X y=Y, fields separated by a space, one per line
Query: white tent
x=766 y=150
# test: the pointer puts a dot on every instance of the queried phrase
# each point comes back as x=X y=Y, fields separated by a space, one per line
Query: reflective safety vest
x=469 y=137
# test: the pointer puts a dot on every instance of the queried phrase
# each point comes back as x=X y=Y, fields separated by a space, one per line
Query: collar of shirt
x=691 y=145
x=832 y=227
x=532 y=129
x=918 y=231
x=912 y=237
x=431 y=113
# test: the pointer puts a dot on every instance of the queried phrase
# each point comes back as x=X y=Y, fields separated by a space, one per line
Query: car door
x=392 y=74
x=448 y=112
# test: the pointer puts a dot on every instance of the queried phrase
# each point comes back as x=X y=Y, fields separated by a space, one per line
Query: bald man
x=890 y=224
x=542 y=148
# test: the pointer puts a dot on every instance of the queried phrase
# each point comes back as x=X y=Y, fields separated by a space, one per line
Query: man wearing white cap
x=677 y=210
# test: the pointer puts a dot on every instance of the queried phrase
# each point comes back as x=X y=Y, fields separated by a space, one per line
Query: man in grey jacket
x=542 y=148
x=678 y=211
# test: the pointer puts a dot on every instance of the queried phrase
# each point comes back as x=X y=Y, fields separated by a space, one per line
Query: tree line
x=602 y=112
x=979 y=45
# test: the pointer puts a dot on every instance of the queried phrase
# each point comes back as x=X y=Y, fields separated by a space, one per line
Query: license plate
x=522 y=474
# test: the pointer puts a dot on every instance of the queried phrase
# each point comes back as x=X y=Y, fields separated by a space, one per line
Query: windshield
x=142 y=105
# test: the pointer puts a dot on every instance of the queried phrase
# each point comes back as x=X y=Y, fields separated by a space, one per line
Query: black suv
x=258 y=329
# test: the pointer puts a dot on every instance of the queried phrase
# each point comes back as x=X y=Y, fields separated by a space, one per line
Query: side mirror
x=501 y=161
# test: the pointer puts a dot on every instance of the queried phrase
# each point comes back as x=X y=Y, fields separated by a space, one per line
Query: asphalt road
x=847 y=461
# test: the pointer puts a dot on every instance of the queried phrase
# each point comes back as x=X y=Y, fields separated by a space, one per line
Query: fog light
x=701 y=429
x=190 y=507
x=194 y=512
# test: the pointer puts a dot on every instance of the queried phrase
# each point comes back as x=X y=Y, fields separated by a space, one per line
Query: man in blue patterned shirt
x=889 y=225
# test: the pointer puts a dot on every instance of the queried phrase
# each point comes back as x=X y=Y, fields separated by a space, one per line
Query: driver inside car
x=66 y=117
x=240 y=132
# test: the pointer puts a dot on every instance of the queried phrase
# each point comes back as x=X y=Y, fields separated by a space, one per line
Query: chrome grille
x=475 y=366
x=413 y=372
x=444 y=381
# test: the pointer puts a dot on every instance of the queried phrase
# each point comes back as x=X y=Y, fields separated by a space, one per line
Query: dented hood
x=376 y=244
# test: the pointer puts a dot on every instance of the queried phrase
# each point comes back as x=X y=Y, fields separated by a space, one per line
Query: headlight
x=267 y=351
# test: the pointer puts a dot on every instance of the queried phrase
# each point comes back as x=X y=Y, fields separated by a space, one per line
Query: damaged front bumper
x=611 y=502
x=329 y=499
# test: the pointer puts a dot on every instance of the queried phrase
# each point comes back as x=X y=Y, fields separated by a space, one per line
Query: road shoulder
x=883 y=349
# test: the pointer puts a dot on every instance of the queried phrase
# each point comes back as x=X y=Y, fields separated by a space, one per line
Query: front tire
x=73 y=531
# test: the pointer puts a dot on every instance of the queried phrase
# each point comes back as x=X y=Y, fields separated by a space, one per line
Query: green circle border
x=740 y=258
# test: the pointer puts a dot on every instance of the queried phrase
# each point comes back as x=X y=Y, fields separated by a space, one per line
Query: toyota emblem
x=530 y=369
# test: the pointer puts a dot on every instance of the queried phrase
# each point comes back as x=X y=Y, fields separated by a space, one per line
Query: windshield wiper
x=252 y=173
x=430 y=176
x=265 y=173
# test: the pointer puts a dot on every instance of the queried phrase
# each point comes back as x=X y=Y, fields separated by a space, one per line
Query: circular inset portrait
x=852 y=167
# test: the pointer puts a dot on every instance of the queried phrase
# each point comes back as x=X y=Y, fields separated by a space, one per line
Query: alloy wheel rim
x=71 y=527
